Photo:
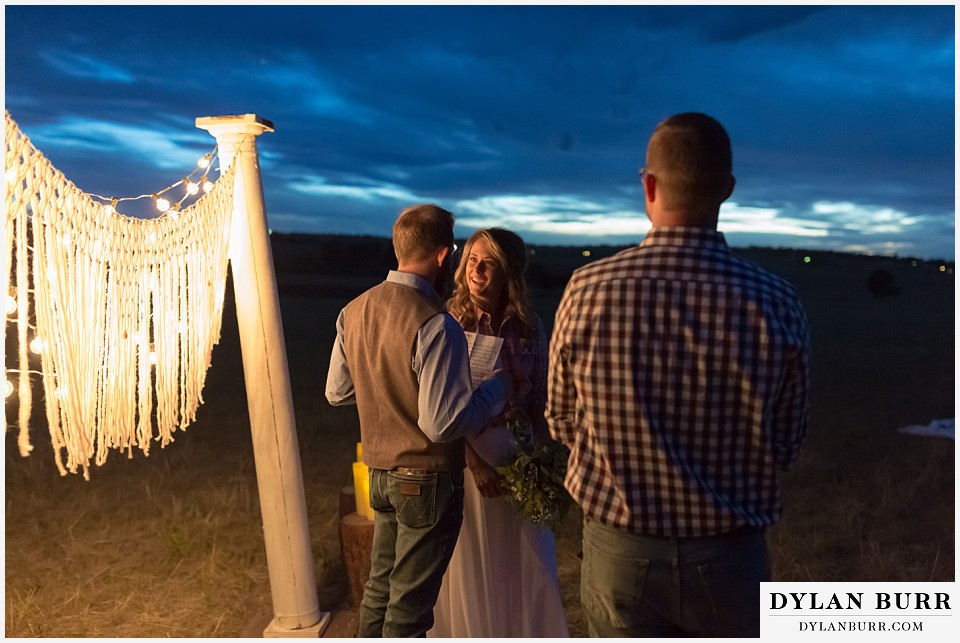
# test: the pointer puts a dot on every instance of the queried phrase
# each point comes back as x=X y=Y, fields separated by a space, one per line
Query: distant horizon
x=586 y=246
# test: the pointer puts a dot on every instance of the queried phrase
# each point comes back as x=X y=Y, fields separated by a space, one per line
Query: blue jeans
x=416 y=524
x=648 y=586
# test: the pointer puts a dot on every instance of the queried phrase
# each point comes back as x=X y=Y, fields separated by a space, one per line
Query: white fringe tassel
x=128 y=310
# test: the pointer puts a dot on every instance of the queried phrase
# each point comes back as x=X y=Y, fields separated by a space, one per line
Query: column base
x=314 y=631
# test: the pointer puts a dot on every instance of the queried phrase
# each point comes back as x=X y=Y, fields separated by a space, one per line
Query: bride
x=502 y=579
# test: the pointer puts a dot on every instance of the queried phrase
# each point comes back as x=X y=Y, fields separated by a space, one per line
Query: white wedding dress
x=502 y=579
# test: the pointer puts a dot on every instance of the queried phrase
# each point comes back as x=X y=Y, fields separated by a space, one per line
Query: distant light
x=455 y=247
x=943 y=268
x=586 y=253
x=807 y=259
x=913 y=263
x=269 y=230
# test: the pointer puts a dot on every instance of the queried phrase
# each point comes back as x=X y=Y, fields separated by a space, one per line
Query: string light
x=12 y=304
x=9 y=389
x=36 y=346
x=192 y=185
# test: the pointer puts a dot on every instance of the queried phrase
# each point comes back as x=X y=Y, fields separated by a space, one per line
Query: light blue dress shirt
x=448 y=406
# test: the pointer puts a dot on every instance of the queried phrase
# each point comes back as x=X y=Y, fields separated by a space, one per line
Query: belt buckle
x=411 y=472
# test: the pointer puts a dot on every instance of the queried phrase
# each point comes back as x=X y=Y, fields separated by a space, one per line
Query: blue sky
x=535 y=118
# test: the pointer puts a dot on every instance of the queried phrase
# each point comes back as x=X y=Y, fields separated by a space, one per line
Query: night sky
x=535 y=118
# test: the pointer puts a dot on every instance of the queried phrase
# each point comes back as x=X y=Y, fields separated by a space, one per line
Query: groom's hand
x=486 y=477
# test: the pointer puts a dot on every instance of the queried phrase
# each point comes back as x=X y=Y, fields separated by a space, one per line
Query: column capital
x=220 y=126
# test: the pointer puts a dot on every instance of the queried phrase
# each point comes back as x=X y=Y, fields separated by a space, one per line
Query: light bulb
x=110 y=208
x=192 y=188
x=153 y=357
x=12 y=175
x=11 y=304
x=207 y=186
x=204 y=162
x=163 y=205
x=173 y=213
x=9 y=389
x=36 y=345
x=61 y=391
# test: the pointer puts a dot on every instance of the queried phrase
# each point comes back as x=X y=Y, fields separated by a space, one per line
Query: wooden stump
x=356 y=542
x=348 y=500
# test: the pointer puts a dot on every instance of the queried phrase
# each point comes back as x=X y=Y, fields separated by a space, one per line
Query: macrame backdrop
x=126 y=310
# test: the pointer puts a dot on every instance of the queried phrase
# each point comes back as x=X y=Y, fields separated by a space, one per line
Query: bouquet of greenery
x=533 y=483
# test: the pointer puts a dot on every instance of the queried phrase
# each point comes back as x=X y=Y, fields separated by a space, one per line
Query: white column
x=269 y=399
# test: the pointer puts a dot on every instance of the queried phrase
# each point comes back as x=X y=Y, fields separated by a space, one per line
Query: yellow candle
x=361 y=489
x=367 y=509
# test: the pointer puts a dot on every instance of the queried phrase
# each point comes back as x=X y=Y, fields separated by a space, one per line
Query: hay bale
x=882 y=284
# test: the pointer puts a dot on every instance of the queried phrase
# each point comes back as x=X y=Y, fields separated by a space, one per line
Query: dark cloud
x=543 y=109
x=727 y=24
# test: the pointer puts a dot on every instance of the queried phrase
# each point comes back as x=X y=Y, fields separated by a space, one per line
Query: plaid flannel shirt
x=679 y=377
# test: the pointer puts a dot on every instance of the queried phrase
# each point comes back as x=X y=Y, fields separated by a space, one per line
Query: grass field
x=172 y=545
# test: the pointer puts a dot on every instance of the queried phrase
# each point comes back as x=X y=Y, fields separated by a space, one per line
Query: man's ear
x=650 y=187
x=442 y=255
x=733 y=181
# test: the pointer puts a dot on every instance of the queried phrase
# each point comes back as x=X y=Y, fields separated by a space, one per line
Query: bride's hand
x=486 y=477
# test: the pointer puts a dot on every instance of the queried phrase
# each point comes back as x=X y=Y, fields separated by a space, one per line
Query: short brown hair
x=421 y=230
x=690 y=156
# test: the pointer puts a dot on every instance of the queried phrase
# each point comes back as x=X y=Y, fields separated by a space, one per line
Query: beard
x=443 y=284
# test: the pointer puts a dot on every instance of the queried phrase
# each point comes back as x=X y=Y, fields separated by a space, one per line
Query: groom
x=403 y=360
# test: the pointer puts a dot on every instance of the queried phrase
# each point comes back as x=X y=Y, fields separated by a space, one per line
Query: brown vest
x=379 y=334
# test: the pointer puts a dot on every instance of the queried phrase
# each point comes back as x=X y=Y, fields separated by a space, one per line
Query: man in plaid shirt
x=679 y=380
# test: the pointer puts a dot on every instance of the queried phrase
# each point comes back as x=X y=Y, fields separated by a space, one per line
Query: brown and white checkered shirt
x=679 y=377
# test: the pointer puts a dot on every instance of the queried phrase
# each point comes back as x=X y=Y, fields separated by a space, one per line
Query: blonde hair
x=421 y=230
x=510 y=253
